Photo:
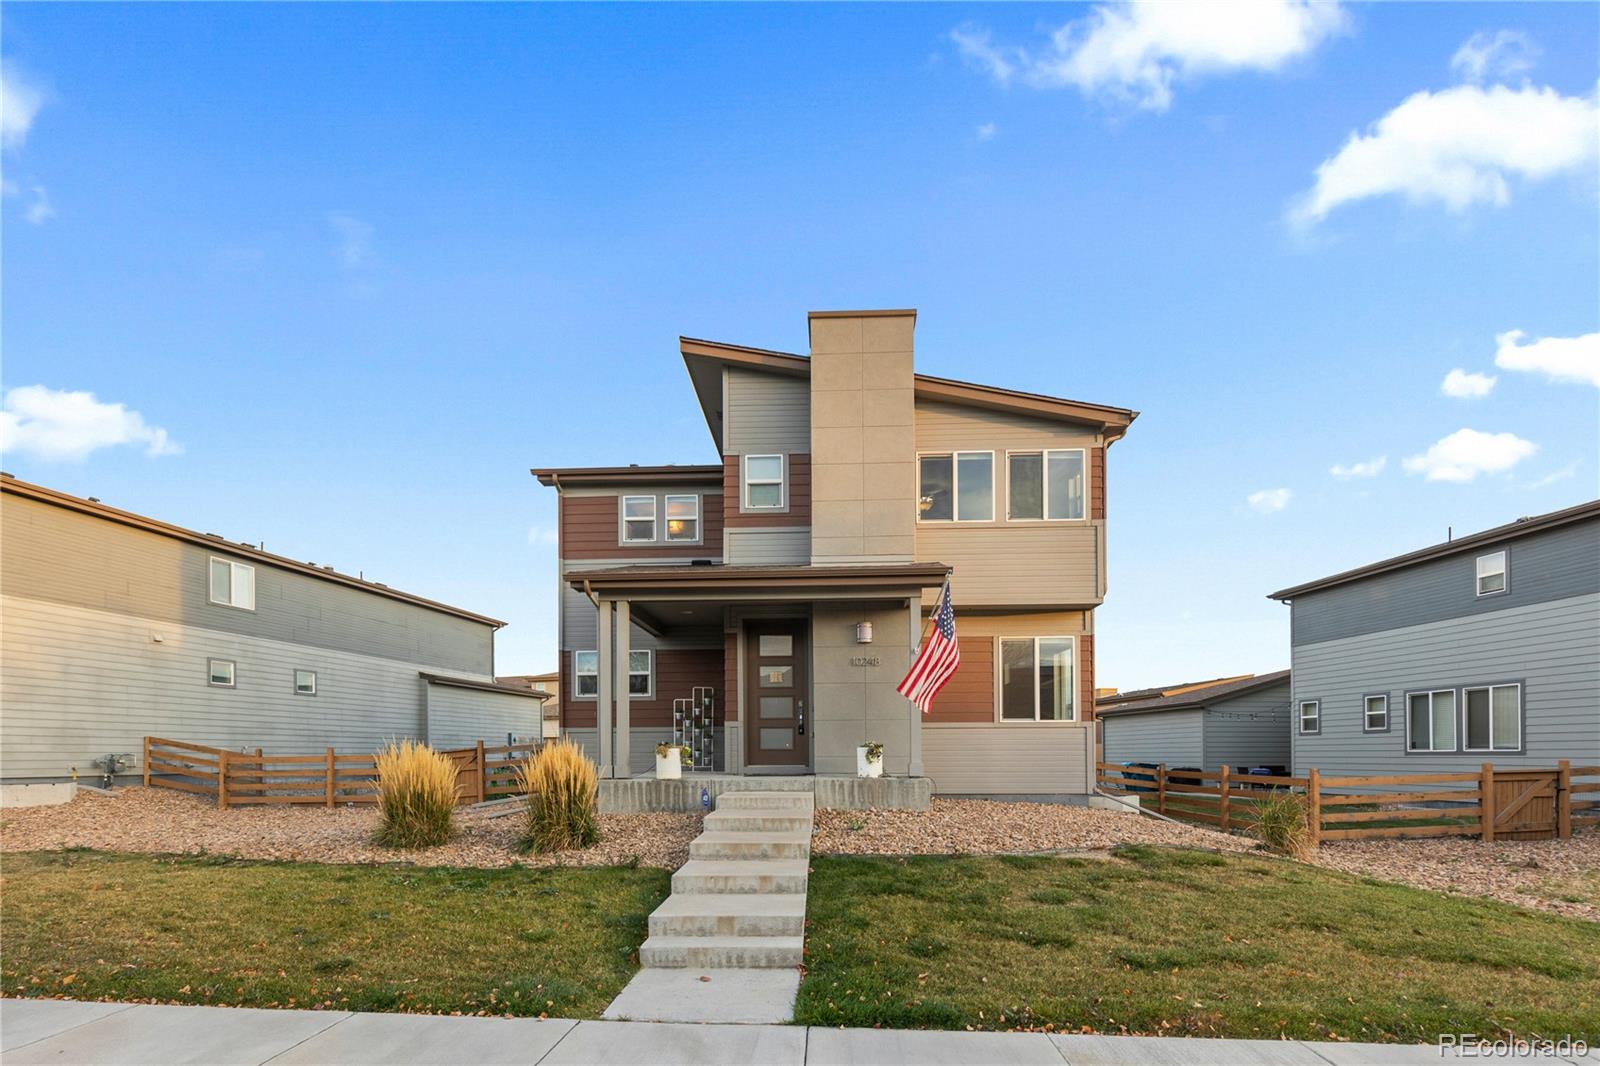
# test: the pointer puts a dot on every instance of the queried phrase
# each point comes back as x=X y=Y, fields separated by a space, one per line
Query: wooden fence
x=243 y=778
x=1506 y=804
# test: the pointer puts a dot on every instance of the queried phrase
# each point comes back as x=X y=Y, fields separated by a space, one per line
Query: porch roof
x=719 y=579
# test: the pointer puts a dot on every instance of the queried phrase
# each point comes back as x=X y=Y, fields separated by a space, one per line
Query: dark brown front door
x=775 y=690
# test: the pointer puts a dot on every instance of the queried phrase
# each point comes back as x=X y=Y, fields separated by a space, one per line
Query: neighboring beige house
x=792 y=576
x=549 y=687
x=116 y=626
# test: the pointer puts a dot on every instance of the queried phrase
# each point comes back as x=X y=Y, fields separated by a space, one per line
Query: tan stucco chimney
x=863 y=442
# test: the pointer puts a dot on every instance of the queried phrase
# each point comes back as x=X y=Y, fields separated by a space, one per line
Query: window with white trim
x=1492 y=573
x=220 y=672
x=683 y=518
x=763 y=482
x=641 y=676
x=1375 y=713
x=955 y=486
x=1494 y=718
x=1310 y=717
x=233 y=584
x=305 y=682
x=1045 y=485
x=586 y=674
x=1037 y=679
x=638 y=519
x=1431 y=720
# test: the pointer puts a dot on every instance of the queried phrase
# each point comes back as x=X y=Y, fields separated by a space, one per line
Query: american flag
x=938 y=659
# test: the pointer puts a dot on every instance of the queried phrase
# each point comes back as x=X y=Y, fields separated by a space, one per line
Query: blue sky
x=357 y=268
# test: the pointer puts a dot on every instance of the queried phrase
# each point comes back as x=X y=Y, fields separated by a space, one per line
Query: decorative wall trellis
x=694 y=726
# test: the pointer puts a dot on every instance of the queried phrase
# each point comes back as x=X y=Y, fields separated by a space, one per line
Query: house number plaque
x=866 y=660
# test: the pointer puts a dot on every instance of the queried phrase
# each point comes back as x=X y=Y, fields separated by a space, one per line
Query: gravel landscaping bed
x=168 y=822
x=990 y=827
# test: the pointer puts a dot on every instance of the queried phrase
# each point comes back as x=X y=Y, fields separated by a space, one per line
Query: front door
x=775 y=687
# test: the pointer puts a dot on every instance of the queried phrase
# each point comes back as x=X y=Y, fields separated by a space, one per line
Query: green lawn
x=200 y=930
x=1183 y=943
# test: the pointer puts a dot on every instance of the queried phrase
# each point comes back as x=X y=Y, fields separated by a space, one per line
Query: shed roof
x=1189 y=697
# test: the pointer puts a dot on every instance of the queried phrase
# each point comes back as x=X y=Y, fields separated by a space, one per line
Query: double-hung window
x=638 y=519
x=683 y=518
x=1492 y=573
x=640 y=677
x=1310 y=717
x=956 y=486
x=1431 y=720
x=1037 y=679
x=1494 y=718
x=586 y=674
x=233 y=584
x=1045 y=485
x=763 y=482
x=1375 y=714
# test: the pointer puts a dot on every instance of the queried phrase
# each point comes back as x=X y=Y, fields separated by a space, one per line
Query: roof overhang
x=743 y=582
x=483 y=686
x=627 y=475
x=1193 y=699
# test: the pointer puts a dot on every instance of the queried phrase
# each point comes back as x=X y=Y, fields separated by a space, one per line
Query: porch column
x=624 y=615
x=914 y=605
x=602 y=707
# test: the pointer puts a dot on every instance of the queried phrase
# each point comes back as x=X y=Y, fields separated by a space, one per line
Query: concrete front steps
x=740 y=900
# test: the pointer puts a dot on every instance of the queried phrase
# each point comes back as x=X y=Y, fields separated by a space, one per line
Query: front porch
x=636 y=795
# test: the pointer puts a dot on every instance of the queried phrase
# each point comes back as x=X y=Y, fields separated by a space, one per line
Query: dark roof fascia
x=622 y=475
x=482 y=686
x=713 y=578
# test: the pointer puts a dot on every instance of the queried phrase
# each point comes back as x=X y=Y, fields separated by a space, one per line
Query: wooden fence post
x=1161 y=789
x=222 y=780
x=330 y=778
x=1222 y=794
x=1563 y=800
x=483 y=775
x=1314 y=805
x=146 y=762
x=1486 y=803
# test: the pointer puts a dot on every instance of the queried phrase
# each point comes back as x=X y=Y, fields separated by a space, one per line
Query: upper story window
x=1045 y=485
x=638 y=519
x=1310 y=717
x=955 y=486
x=1036 y=680
x=683 y=518
x=1494 y=718
x=1431 y=720
x=763 y=482
x=1492 y=573
x=233 y=584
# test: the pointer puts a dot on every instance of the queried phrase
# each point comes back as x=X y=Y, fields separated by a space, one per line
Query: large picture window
x=956 y=486
x=233 y=584
x=1494 y=718
x=1037 y=679
x=1431 y=720
x=1045 y=485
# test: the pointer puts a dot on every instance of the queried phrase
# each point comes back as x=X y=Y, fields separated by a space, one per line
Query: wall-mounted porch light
x=863 y=632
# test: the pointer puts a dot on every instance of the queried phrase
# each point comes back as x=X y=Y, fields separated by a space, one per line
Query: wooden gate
x=1524 y=804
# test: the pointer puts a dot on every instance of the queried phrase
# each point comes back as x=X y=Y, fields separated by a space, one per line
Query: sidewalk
x=64 y=1031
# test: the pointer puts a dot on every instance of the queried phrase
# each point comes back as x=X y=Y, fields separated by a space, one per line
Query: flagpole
x=922 y=638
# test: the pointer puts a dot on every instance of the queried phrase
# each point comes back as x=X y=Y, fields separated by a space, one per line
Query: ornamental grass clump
x=416 y=795
x=563 y=798
x=1282 y=823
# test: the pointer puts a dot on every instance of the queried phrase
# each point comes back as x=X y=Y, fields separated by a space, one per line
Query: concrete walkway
x=110 y=1034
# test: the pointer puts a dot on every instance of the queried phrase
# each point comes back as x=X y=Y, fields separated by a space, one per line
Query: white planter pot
x=669 y=767
x=866 y=767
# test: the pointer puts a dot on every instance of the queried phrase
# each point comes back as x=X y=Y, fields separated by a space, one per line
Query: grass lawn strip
x=557 y=941
x=1171 y=942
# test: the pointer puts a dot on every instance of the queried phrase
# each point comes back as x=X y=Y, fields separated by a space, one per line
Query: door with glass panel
x=777 y=718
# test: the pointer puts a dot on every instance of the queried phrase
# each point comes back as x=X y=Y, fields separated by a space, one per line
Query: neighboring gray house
x=1238 y=722
x=117 y=626
x=1485 y=648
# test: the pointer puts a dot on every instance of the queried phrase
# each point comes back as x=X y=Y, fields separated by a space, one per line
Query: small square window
x=305 y=682
x=1492 y=573
x=1310 y=717
x=220 y=672
x=1375 y=713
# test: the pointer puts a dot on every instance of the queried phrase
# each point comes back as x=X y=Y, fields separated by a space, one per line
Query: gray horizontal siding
x=1249 y=730
x=768 y=546
x=642 y=746
x=1007 y=760
x=1553 y=565
x=766 y=413
x=460 y=717
x=1172 y=737
x=1551 y=647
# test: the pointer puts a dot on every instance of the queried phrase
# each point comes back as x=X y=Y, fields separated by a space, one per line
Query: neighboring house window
x=1491 y=573
x=957 y=486
x=1494 y=718
x=586 y=674
x=683 y=518
x=1431 y=720
x=1310 y=716
x=233 y=584
x=763 y=482
x=1045 y=485
x=219 y=672
x=305 y=682
x=1036 y=680
x=1375 y=714
x=638 y=519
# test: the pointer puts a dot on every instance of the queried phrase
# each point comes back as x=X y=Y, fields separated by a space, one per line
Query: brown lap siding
x=1086 y=677
x=1097 y=482
x=969 y=695
x=799 y=512
x=728 y=698
x=678 y=672
x=589 y=530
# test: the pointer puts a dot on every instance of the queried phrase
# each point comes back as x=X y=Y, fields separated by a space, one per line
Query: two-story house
x=1485 y=648
x=793 y=577
x=115 y=626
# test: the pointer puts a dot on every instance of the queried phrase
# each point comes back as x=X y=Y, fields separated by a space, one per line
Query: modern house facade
x=1239 y=722
x=791 y=579
x=117 y=626
x=1485 y=648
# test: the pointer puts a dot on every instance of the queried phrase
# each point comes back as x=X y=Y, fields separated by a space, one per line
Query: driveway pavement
x=66 y=1031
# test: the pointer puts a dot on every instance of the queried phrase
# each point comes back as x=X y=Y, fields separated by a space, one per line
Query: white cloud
x=1370 y=468
x=20 y=102
x=1554 y=476
x=1466 y=453
x=542 y=535
x=1137 y=52
x=1503 y=54
x=1269 y=500
x=39 y=211
x=1463 y=385
x=353 y=246
x=57 y=424
x=1457 y=147
x=987 y=131
x=1558 y=358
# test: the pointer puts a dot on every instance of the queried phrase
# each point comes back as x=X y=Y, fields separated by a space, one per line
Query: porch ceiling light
x=863 y=632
